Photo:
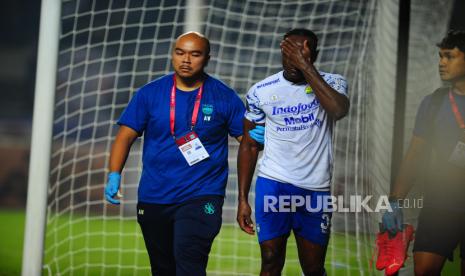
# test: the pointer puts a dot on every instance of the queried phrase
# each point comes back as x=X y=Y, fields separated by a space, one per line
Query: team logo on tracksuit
x=207 y=110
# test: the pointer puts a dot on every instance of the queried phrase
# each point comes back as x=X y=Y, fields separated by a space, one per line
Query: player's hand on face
x=298 y=54
x=393 y=221
x=112 y=187
x=244 y=213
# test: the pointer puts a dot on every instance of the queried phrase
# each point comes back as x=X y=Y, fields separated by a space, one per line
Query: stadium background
x=19 y=25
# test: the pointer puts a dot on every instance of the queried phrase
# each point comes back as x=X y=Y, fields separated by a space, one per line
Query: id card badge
x=458 y=155
x=191 y=148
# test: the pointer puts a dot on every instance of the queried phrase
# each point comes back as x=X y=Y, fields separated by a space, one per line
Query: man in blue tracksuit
x=185 y=118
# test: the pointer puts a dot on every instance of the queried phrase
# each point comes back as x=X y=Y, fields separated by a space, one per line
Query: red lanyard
x=195 y=112
x=455 y=109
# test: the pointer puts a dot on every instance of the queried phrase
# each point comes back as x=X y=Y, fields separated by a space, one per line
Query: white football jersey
x=298 y=131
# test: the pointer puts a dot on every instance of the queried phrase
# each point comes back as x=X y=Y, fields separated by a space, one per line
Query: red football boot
x=397 y=249
x=383 y=254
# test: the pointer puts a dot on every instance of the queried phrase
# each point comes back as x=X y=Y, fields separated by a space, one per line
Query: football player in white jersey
x=299 y=106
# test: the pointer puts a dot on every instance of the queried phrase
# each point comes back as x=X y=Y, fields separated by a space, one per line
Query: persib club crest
x=207 y=110
x=308 y=89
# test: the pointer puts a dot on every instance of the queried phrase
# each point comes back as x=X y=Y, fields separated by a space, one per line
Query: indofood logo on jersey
x=296 y=109
x=303 y=109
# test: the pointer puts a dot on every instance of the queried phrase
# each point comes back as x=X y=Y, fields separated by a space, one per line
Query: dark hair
x=454 y=38
x=312 y=38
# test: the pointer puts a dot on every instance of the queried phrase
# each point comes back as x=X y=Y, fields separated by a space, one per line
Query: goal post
x=39 y=165
x=193 y=16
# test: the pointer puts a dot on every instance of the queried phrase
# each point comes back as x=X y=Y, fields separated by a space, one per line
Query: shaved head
x=196 y=36
x=190 y=56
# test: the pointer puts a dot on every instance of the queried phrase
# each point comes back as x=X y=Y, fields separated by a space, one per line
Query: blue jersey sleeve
x=421 y=120
x=236 y=115
x=136 y=114
x=254 y=113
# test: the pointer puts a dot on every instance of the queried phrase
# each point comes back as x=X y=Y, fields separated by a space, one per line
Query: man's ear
x=207 y=59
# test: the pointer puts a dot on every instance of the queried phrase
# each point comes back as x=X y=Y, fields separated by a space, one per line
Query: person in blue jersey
x=439 y=139
x=299 y=106
x=185 y=118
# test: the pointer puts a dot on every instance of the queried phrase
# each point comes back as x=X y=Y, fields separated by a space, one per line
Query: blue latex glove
x=392 y=221
x=114 y=179
x=258 y=134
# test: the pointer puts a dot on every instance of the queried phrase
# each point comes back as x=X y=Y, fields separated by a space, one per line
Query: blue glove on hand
x=114 y=179
x=392 y=221
x=258 y=134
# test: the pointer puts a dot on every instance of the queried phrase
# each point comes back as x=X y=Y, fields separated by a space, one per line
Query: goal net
x=109 y=48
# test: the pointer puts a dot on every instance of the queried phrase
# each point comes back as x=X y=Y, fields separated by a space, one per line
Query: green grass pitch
x=113 y=246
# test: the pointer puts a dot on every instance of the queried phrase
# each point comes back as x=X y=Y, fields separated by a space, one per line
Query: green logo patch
x=308 y=90
x=207 y=109
x=209 y=209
